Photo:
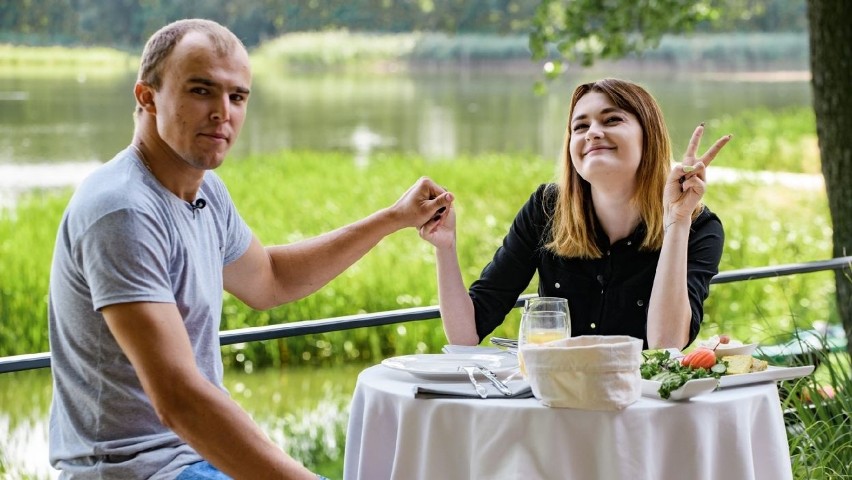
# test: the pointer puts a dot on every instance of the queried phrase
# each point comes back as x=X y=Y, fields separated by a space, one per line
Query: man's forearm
x=304 y=267
x=224 y=435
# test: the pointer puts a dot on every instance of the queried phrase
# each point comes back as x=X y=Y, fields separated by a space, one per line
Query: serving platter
x=699 y=386
x=445 y=366
x=771 y=374
x=692 y=388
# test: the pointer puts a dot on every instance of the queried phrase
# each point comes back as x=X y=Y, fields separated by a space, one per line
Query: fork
x=504 y=342
x=504 y=389
x=470 y=369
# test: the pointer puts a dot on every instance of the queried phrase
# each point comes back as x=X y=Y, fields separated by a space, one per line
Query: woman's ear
x=145 y=97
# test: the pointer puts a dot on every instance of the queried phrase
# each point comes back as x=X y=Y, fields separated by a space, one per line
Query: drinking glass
x=550 y=304
x=539 y=327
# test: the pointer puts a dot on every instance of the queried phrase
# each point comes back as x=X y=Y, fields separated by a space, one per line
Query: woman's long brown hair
x=572 y=232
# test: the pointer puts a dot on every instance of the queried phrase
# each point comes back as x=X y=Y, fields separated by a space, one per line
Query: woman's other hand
x=687 y=181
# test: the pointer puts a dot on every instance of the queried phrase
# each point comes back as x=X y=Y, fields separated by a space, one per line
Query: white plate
x=445 y=366
x=692 y=388
x=771 y=374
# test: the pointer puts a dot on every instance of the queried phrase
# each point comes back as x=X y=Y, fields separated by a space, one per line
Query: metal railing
x=253 y=334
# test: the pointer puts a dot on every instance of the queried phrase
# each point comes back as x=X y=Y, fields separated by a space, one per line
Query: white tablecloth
x=730 y=434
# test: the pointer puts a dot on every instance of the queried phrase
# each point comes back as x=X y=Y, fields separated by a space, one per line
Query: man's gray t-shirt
x=126 y=238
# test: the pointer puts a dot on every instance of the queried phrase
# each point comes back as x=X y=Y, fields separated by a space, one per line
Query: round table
x=733 y=433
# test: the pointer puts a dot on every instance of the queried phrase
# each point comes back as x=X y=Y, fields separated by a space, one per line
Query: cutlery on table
x=470 y=369
x=504 y=389
x=504 y=342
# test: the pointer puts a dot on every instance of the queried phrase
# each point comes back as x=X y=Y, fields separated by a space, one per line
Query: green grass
x=400 y=272
x=784 y=141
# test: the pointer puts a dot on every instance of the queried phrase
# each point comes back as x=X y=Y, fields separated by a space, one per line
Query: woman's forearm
x=669 y=313
x=456 y=306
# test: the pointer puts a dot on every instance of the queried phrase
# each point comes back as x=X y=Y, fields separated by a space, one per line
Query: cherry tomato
x=700 y=358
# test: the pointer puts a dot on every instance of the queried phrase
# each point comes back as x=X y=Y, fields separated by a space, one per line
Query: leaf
x=589 y=30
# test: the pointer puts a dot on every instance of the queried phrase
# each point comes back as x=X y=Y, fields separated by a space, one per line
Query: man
x=143 y=252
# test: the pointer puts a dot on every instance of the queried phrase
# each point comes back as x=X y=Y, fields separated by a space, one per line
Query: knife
x=479 y=388
x=504 y=389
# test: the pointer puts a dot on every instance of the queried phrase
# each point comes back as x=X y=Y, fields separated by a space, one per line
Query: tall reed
x=819 y=422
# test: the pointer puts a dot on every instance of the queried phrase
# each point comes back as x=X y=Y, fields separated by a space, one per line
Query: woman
x=622 y=235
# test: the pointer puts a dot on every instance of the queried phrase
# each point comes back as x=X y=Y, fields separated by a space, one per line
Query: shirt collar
x=635 y=239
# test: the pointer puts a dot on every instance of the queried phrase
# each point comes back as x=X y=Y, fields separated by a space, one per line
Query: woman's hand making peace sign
x=687 y=181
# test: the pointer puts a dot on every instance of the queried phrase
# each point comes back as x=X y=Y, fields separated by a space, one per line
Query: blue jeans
x=204 y=471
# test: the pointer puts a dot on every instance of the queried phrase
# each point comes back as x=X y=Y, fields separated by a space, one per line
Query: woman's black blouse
x=606 y=296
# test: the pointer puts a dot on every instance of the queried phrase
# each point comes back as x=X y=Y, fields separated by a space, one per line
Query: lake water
x=54 y=130
x=80 y=120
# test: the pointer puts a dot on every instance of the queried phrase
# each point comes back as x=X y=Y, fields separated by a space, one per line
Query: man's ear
x=145 y=97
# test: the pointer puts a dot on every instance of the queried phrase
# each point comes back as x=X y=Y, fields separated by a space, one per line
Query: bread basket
x=592 y=372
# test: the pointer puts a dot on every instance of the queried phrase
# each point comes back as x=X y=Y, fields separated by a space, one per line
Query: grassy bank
x=382 y=51
x=52 y=61
x=756 y=51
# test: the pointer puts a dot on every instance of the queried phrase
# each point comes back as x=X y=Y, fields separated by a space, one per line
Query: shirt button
x=593 y=326
x=629 y=242
x=600 y=278
x=640 y=302
x=607 y=253
x=556 y=284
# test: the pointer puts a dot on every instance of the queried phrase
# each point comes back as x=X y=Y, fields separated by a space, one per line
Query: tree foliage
x=586 y=30
x=128 y=23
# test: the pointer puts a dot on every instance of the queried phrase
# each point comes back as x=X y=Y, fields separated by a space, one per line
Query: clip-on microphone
x=198 y=205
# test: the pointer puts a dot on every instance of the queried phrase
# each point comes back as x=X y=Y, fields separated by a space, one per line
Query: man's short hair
x=163 y=41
